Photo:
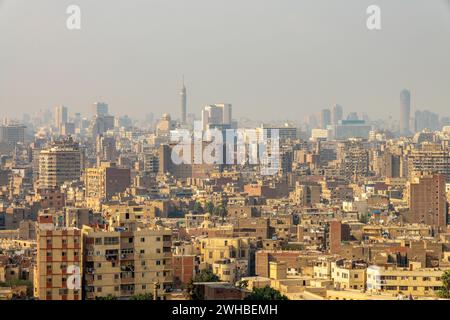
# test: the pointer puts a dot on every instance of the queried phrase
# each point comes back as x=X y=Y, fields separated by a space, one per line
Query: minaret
x=183 y=103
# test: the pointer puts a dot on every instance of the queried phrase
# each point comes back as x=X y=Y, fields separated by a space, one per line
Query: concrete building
x=12 y=134
x=59 y=163
x=104 y=182
x=58 y=260
x=414 y=280
x=427 y=200
x=405 y=112
x=126 y=262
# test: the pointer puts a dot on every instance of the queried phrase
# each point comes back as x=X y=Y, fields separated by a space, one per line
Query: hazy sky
x=272 y=59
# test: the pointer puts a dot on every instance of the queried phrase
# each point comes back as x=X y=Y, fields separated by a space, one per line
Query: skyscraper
x=183 y=96
x=100 y=109
x=60 y=116
x=405 y=110
x=325 y=118
x=337 y=114
x=217 y=114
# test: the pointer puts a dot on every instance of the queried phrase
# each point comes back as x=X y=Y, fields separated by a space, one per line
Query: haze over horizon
x=273 y=59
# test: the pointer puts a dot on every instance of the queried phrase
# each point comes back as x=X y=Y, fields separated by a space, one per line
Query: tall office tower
x=183 y=97
x=217 y=114
x=405 y=112
x=59 y=163
x=100 y=109
x=104 y=182
x=58 y=258
x=325 y=118
x=352 y=116
x=426 y=120
x=12 y=133
x=337 y=114
x=60 y=116
x=427 y=200
x=227 y=112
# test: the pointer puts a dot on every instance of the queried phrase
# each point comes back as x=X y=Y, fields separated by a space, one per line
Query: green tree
x=444 y=292
x=198 y=207
x=266 y=293
x=209 y=207
x=145 y=296
x=206 y=275
x=220 y=211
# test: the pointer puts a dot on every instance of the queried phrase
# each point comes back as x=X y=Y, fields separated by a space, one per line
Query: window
x=158 y=262
x=142 y=239
x=111 y=240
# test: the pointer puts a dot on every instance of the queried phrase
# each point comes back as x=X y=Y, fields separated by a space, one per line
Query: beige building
x=59 y=163
x=104 y=182
x=413 y=280
x=348 y=275
x=127 y=262
x=57 y=274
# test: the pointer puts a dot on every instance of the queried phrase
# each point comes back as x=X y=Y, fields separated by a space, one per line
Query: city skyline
x=296 y=62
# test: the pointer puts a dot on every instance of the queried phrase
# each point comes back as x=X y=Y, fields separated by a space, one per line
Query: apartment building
x=124 y=263
x=414 y=280
x=349 y=274
x=57 y=274
x=104 y=182
x=59 y=163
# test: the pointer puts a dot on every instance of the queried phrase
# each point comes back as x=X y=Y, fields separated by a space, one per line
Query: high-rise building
x=217 y=114
x=405 y=112
x=183 y=97
x=427 y=200
x=346 y=129
x=426 y=120
x=106 y=149
x=12 y=134
x=337 y=114
x=430 y=158
x=61 y=116
x=100 y=109
x=60 y=162
x=325 y=118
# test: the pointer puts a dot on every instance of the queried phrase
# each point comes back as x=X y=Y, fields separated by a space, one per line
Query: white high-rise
x=217 y=114
x=60 y=116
